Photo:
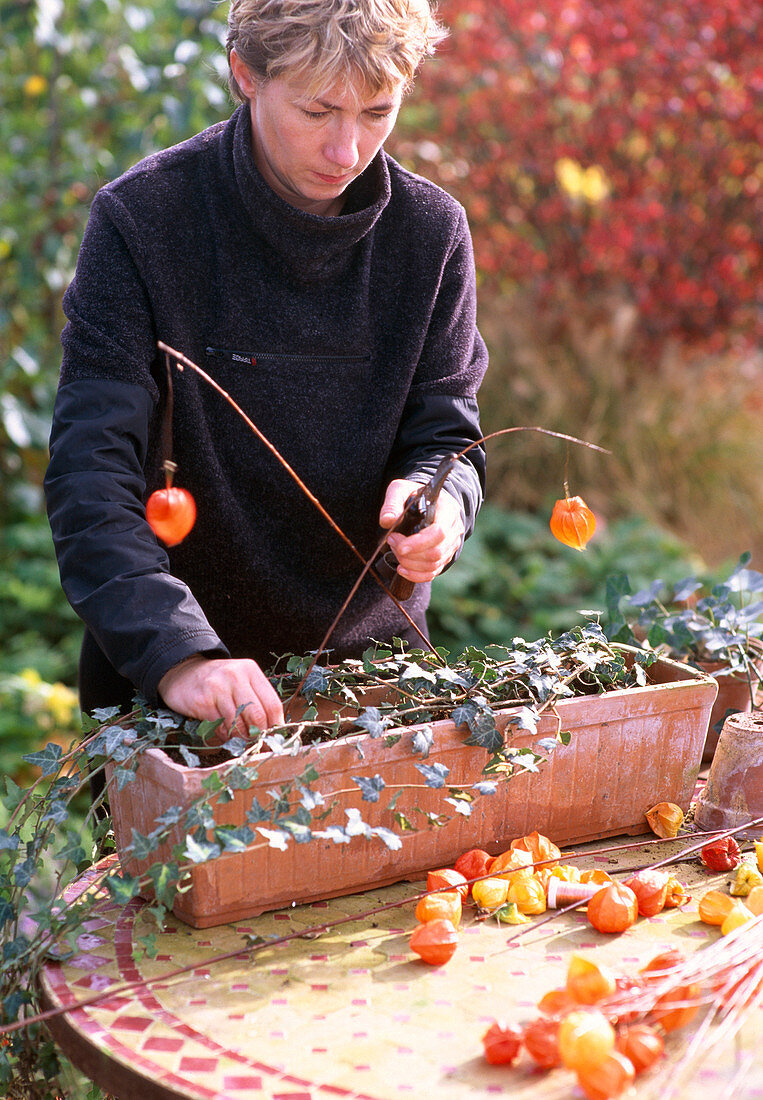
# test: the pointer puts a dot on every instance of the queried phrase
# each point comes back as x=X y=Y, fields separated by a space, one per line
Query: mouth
x=335 y=180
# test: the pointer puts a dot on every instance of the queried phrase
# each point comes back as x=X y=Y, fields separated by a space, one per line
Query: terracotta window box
x=629 y=749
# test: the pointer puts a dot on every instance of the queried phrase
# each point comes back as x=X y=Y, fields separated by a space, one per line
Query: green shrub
x=513 y=577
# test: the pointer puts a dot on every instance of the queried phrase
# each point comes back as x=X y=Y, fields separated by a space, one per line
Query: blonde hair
x=369 y=43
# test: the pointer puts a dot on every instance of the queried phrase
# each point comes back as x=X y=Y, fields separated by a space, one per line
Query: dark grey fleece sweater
x=349 y=341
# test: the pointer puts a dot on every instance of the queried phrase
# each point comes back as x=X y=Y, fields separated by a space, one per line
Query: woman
x=331 y=293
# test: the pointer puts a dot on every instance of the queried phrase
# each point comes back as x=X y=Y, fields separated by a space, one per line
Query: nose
x=341 y=148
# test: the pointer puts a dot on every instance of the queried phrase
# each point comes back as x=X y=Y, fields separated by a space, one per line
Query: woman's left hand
x=423 y=555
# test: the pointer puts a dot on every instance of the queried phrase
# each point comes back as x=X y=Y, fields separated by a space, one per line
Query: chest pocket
x=313 y=408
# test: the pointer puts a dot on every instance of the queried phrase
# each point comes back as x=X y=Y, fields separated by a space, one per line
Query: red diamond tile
x=168 y=1046
x=131 y=1023
x=198 y=1065
x=240 y=1082
x=98 y=982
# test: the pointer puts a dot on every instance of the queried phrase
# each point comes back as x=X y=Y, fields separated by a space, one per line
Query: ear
x=243 y=76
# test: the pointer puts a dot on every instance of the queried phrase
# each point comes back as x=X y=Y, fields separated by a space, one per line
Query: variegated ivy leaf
x=123 y=776
x=392 y=840
x=276 y=838
x=171 y=816
x=485 y=786
x=277 y=744
x=481 y=723
x=460 y=806
x=334 y=833
x=257 y=813
x=370 y=786
x=298 y=829
x=200 y=816
x=105 y=714
x=525 y=719
x=414 y=676
x=447 y=675
x=356 y=826
x=371 y=720
x=238 y=778
x=123 y=888
x=190 y=758
x=48 y=760
x=165 y=879
x=317 y=681
x=200 y=851
x=546 y=744
x=71 y=851
x=422 y=740
x=434 y=774
x=310 y=798
x=23 y=872
x=235 y=746
x=15 y=948
x=141 y=846
x=234 y=838
x=8 y=841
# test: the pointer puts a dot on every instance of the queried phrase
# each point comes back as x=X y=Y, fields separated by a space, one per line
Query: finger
x=422 y=542
x=269 y=699
x=397 y=493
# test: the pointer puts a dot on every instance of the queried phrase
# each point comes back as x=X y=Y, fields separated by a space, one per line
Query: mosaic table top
x=343 y=1009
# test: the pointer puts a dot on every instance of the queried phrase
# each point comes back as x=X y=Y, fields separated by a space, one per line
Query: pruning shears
x=418 y=513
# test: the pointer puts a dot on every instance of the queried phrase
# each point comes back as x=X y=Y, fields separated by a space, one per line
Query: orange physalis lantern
x=572 y=522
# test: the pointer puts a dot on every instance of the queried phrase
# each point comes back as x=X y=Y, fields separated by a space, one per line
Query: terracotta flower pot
x=628 y=749
x=734 y=791
x=733 y=695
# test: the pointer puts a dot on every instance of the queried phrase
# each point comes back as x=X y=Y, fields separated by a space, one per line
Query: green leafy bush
x=514 y=579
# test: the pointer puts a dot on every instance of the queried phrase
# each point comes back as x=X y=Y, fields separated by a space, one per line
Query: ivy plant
x=695 y=621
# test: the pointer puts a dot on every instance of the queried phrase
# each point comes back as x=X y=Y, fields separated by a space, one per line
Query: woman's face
x=311 y=149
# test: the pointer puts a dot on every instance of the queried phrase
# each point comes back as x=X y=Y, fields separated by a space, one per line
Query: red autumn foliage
x=652 y=101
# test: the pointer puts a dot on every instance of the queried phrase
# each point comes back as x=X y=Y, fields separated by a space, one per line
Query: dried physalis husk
x=665 y=819
x=714 y=907
x=676 y=894
x=528 y=895
x=738 y=915
x=589 y=981
x=642 y=1045
x=747 y=878
x=754 y=901
x=651 y=888
x=540 y=848
x=610 y=1077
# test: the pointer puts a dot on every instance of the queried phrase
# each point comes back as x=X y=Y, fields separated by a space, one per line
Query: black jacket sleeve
x=113 y=571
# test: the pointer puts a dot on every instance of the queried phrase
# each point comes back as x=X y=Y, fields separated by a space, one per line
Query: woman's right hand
x=209 y=689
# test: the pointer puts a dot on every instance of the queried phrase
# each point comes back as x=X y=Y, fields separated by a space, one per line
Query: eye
x=315 y=114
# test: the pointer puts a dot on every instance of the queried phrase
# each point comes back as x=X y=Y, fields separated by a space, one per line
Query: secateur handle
x=418 y=513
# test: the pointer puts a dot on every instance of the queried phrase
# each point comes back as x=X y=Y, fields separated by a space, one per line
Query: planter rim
x=685 y=673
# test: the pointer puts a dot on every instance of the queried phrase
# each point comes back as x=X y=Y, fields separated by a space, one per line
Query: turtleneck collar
x=310 y=246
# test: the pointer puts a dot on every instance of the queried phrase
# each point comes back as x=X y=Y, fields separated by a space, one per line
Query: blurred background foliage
x=607 y=156
x=605 y=153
